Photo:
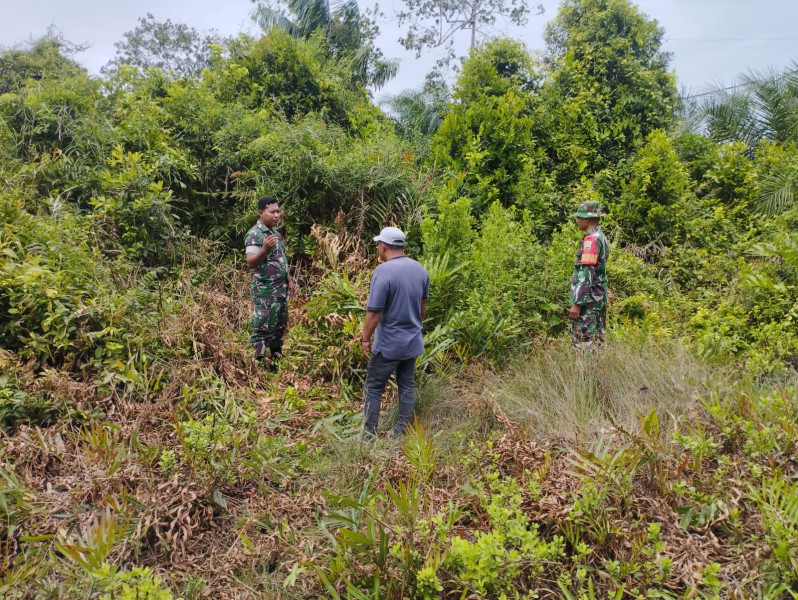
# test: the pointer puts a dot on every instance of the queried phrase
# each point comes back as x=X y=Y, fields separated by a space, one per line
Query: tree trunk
x=473 y=24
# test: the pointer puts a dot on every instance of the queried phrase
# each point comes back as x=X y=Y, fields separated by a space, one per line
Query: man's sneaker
x=368 y=437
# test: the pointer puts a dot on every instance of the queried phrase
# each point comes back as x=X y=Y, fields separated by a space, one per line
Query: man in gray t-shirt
x=392 y=337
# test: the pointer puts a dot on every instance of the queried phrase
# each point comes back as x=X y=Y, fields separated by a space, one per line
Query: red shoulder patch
x=589 y=251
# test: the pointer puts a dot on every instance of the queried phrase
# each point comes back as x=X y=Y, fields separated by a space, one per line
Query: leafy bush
x=492 y=564
x=137 y=214
x=136 y=584
x=489 y=138
x=291 y=76
x=318 y=169
x=655 y=202
x=17 y=407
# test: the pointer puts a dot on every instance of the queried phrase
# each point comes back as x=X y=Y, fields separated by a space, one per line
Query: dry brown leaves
x=177 y=526
x=690 y=549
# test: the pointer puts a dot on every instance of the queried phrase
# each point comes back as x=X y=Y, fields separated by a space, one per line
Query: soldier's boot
x=260 y=353
x=264 y=361
x=276 y=349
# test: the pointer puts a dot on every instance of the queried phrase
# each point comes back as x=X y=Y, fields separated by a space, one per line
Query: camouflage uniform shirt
x=271 y=276
x=589 y=288
x=589 y=280
x=269 y=291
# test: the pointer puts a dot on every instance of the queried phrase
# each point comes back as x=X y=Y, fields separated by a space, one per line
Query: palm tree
x=418 y=112
x=763 y=106
x=350 y=34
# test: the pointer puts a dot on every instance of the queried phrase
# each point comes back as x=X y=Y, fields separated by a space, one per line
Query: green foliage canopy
x=611 y=86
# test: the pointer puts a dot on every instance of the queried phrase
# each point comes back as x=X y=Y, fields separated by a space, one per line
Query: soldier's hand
x=269 y=242
x=573 y=312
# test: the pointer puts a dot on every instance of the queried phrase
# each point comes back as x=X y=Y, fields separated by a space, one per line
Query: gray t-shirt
x=397 y=288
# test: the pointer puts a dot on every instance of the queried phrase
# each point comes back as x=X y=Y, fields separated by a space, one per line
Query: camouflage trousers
x=587 y=331
x=269 y=322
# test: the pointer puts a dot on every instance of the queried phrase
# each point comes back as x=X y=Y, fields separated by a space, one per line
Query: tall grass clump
x=556 y=391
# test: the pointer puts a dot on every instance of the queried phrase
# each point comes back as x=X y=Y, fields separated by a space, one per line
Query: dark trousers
x=377 y=376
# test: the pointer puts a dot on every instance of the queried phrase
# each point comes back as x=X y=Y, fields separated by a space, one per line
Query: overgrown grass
x=557 y=392
x=676 y=486
x=568 y=471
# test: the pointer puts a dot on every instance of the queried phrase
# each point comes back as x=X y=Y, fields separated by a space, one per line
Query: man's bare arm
x=372 y=320
x=256 y=258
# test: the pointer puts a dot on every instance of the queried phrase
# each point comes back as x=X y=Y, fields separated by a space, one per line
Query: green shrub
x=18 y=407
x=489 y=138
x=656 y=200
x=511 y=549
x=136 y=584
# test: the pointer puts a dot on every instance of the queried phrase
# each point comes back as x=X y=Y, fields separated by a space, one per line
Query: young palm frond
x=774 y=103
x=417 y=112
x=268 y=17
x=304 y=17
x=599 y=463
x=91 y=547
x=729 y=117
x=309 y=15
x=777 y=190
x=691 y=116
x=445 y=272
x=783 y=248
x=420 y=451
x=366 y=65
x=404 y=210
x=778 y=502
x=791 y=79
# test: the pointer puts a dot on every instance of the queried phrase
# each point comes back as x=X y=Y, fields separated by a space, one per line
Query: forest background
x=145 y=455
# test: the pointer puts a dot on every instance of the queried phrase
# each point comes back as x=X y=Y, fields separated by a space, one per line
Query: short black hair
x=392 y=246
x=265 y=201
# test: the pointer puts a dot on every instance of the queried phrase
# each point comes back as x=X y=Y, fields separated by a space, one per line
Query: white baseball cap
x=392 y=236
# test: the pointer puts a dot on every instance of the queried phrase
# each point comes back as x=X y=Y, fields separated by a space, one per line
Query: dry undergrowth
x=214 y=525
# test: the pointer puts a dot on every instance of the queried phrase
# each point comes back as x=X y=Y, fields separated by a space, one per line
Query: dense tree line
x=141 y=162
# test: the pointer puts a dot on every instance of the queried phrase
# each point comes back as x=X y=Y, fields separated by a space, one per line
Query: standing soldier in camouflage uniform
x=589 y=281
x=271 y=282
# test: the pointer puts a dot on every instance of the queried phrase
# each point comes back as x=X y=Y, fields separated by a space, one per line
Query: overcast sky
x=712 y=41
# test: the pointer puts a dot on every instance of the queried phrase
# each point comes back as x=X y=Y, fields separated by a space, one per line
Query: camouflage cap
x=589 y=210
